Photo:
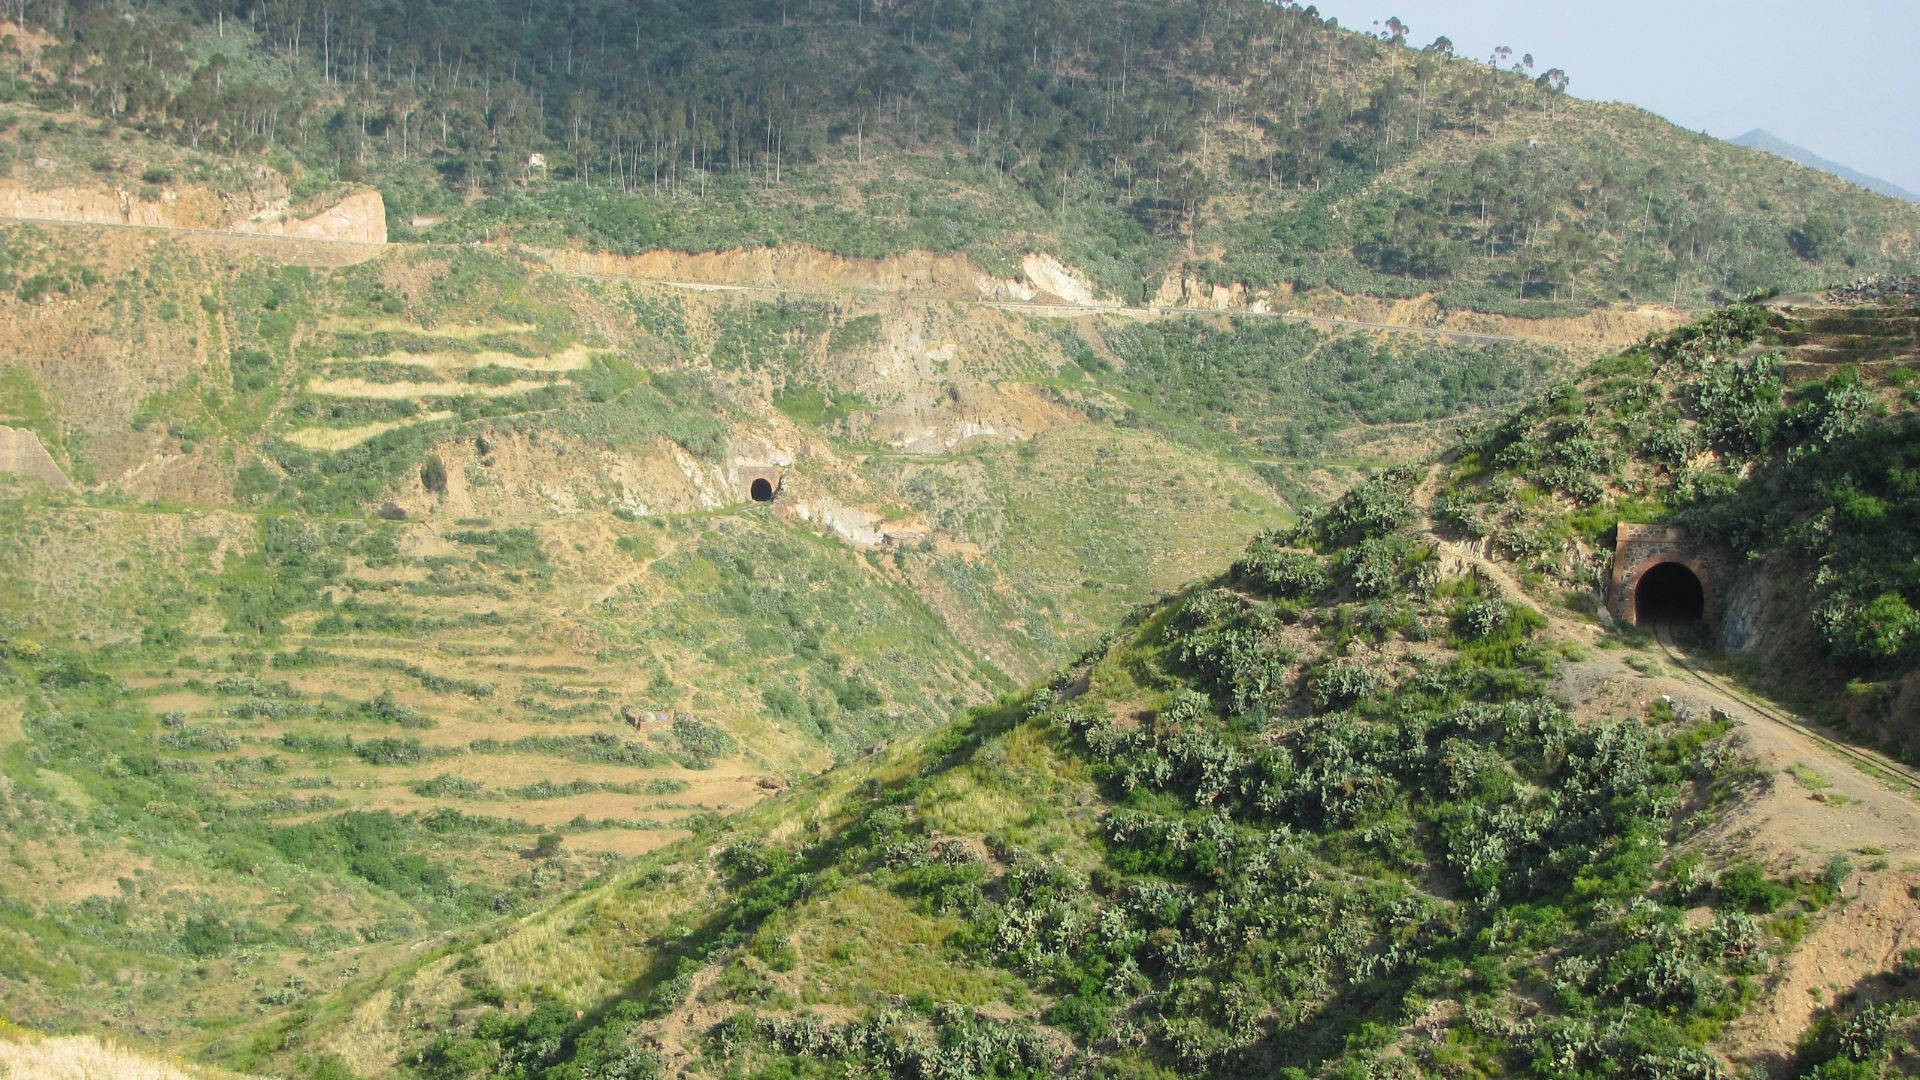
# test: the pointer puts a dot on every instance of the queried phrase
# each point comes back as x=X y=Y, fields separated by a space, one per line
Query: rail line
x=1875 y=765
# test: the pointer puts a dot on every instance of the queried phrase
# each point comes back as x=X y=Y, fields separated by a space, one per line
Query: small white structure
x=536 y=161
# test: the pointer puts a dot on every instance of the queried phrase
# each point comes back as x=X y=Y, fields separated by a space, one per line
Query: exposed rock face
x=1187 y=290
x=22 y=454
x=1050 y=275
x=360 y=218
x=806 y=269
x=98 y=206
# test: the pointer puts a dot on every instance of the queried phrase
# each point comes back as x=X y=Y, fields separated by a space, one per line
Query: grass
x=1813 y=781
x=27 y=1054
x=1804 y=775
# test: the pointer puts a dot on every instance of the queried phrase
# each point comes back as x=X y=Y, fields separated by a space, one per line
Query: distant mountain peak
x=1762 y=139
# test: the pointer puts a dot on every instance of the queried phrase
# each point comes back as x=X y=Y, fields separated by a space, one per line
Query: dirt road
x=304 y=250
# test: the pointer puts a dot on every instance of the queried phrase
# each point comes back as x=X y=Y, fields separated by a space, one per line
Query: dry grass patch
x=626 y=843
x=413 y=391
x=345 y=438
x=862 y=944
x=32 y=1057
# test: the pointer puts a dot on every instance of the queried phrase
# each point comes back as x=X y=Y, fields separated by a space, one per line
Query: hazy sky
x=1841 y=78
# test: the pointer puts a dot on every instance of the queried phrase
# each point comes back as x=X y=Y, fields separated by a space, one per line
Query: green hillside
x=1233 y=142
x=1332 y=813
x=1783 y=432
x=373 y=554
x=932 y=538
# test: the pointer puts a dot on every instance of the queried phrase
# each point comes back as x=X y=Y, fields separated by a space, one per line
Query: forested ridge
x=652 y=93
x=1249 y=141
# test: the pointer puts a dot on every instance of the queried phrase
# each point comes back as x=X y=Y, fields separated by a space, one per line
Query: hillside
x=501 y=506
x=1374 y=800
x=1760 y=139
x=364 y=592
x=1782 y=434
x=1163 y=148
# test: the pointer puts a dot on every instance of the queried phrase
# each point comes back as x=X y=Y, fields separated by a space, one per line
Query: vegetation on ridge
x=1242 y=141
x=1785 y=434
x=1317 y=817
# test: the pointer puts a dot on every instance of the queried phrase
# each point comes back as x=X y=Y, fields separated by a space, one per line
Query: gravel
x=1880 y=287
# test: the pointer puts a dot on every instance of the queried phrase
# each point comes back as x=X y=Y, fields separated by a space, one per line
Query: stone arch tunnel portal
x=762 y=489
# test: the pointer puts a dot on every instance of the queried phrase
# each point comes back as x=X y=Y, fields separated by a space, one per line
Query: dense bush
x=1278 y=571
x=1373 y=508
x=1288 y=389
x=702 y=742
x=1340 y=684
x=1738 y=403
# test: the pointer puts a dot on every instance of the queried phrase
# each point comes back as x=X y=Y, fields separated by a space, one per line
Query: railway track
x=1878 y=766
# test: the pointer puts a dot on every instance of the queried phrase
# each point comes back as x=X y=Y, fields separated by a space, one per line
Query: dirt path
x=298 y=250
x=1821 y=803
x=1459 y=557
x=1820 y=799
x=1890 y=773
x=1878 y=794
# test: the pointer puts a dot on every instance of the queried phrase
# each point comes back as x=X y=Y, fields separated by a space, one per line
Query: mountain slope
x=358 y=594
x=366 y=602
x=1365 y=802
x=1324 y=813
x=1761 y=139
x=1159 y=147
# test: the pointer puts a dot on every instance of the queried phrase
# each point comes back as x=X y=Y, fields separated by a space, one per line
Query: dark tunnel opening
x=1669 y=593
x=762 y=489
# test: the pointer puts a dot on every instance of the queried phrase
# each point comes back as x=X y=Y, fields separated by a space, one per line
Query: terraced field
x=412 y=592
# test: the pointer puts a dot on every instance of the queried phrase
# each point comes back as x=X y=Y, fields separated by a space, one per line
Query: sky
x=1841 y=78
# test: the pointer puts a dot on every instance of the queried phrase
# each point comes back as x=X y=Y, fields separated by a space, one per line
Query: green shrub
x=1340 y=684
x=1281 y=572
x=1746 y=887
x=702 y=742
x=433 y=475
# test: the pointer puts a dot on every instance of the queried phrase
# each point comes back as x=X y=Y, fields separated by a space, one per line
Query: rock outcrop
x=22 y=454
x=359 y=218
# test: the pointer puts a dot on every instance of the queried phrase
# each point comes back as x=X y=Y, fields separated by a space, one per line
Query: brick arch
x=1640 y=548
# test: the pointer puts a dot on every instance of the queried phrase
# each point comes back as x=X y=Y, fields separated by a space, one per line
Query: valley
x=394 y=545
x=819 y=539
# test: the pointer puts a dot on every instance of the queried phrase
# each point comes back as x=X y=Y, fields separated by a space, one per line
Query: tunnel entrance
x=1669 y=592
x=762 y=489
